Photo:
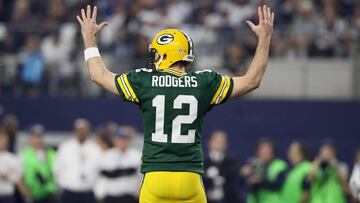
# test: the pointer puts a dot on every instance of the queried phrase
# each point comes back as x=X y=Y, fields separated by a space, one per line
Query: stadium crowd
x=39 y=39
x=105 y=168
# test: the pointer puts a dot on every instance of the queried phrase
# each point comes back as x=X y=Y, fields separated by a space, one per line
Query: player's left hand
x=87 y=21
x=266 y=22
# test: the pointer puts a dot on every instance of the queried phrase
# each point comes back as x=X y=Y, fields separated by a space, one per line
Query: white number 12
x=176 y=137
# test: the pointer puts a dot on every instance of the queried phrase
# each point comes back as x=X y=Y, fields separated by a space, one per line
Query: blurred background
x=310 y=92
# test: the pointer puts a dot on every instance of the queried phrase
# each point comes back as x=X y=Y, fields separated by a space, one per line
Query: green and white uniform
x=174 y=105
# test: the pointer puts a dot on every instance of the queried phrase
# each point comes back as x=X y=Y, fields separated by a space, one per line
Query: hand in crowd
x=246 y=171
x=254 y=179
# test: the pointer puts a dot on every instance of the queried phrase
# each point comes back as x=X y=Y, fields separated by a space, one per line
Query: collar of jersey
x=174 y=71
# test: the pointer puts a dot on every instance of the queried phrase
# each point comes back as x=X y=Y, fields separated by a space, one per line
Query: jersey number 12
x=176 y=137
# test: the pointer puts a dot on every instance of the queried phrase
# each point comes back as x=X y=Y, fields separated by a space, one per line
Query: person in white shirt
x=355 y=177
x=10 y=171
x=120 y=179
x=76 y=165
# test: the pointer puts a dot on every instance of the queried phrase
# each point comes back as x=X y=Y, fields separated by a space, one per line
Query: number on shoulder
x=204 y=71
x=144 y=70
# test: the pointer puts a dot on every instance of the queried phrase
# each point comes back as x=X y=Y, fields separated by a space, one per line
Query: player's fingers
x=272 y=18
x=94 y=13
x=103 y=24
x=83 y=14
x=88 y=11
x=269 y=14
x=261 y=16
x=264 y=9
x=79 y=19
x=250 y=24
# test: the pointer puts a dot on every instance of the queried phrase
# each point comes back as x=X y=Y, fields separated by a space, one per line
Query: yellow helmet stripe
x=130 y=89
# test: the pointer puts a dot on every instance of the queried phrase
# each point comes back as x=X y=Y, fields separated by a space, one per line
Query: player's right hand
x=87 y=22
x=266 y=22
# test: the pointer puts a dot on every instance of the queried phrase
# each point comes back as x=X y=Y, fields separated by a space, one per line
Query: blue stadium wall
x=244 y=120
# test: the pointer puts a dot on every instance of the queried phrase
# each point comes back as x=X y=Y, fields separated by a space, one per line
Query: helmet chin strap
x=157 y=64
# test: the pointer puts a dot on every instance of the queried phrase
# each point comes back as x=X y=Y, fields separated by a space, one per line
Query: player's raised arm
x=99 y=73
x=252 y=79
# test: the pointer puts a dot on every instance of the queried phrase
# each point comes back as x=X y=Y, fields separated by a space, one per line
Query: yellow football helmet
x=170 y=46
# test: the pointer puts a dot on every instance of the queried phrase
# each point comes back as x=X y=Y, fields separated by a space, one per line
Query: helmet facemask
x=154 y=59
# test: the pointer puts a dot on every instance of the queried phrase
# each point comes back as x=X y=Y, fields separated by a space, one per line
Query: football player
x=174 y=103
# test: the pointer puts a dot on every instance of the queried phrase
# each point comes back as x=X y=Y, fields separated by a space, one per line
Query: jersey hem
x=173 y=166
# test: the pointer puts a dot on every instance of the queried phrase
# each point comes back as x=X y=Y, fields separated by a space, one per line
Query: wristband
x=91 y=52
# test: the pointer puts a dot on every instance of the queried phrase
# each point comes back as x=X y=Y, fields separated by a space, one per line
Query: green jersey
x=38 y=175
x=263 y=194
x=174 y=105
x=294 y=185
x=326 y=187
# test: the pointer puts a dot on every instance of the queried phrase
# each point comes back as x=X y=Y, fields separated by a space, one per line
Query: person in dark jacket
x=221 y=171
x=10 y=124
x=265 y=174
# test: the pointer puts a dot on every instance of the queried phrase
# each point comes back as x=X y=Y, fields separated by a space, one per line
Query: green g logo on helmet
x=165 y=39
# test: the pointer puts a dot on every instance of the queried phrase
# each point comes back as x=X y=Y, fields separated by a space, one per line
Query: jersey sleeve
x=128 y=86
x=221 y=87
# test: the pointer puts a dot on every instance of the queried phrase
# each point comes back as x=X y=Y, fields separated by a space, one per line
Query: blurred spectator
x=235 y=59
x=221 y=171
x=56 y=52
x=103 y=139
x=303 y=30
x=356 y=23
x=76 y=165
x=114 y=30
x=296 y=187
x=21 y=24
x=38 y=162
x=10 y=124
x=238 y=10
x=332 y=34
x=10 y=171
x=265 y=175
x=329 y=177
x=32 y=66
x=178 y=11
x=355 y=177
x=119 y=169
x=141 y=52
x=57 y=10
x=5 y=5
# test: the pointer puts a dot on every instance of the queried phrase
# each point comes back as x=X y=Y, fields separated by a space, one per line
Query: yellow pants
x=172 y=187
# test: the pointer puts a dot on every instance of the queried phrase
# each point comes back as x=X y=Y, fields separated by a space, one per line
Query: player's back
x=174 y=105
